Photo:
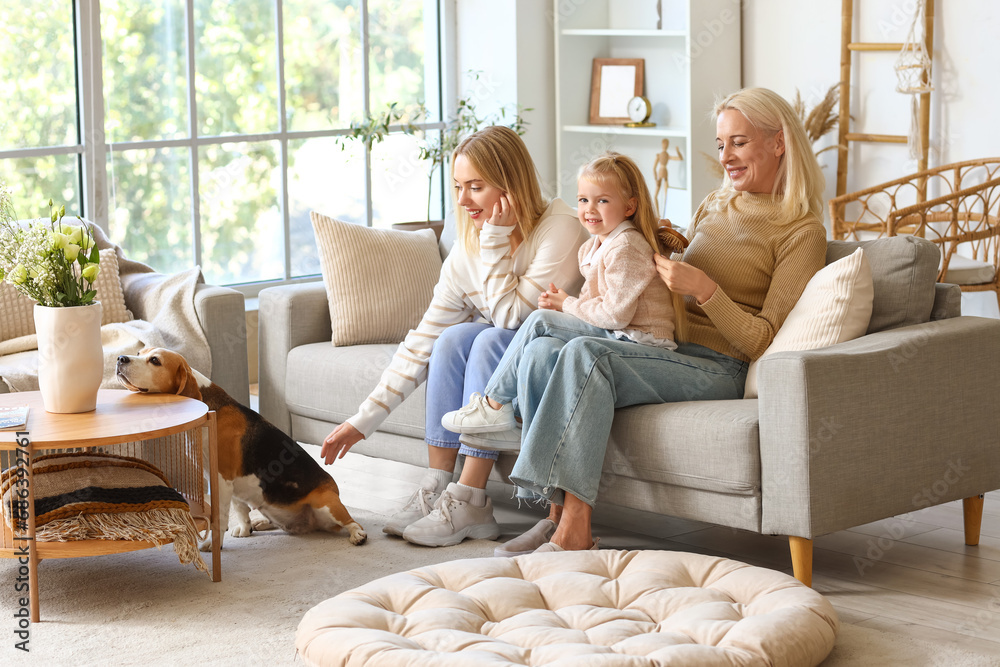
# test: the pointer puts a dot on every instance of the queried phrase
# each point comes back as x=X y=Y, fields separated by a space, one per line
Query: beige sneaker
x=421 y=503
x=453 y=520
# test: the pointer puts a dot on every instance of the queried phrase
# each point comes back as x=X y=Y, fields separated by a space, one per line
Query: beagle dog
x=259 y=466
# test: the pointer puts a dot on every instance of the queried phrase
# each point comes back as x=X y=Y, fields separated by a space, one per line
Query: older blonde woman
x=755 y=242
x=512 y=244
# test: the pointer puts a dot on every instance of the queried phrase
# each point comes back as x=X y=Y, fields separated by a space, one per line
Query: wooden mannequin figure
x=660 y=174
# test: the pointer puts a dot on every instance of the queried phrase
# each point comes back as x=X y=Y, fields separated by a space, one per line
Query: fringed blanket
x=96 y=496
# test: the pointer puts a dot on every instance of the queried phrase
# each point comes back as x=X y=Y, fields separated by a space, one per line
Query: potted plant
x=373 y=128
x=56 y=264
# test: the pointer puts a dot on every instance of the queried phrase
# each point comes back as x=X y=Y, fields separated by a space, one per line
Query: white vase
x=70 y=357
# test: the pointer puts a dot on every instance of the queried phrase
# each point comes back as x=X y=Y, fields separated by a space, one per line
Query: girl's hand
x=340 y=440
x=552 y=299
x=503 y=213
x=685 y=279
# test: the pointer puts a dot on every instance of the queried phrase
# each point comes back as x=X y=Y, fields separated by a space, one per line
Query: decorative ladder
x=847 y=47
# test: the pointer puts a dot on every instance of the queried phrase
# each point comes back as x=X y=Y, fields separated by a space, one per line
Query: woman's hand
x=340 y=440
x=685 y=279
x=503 y=213
x=552 y=299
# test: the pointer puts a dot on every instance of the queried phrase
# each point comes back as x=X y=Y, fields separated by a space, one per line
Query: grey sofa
x=893 y=421
x=222 y=315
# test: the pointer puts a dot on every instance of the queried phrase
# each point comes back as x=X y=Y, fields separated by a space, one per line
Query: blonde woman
x=511 y=245
x=755 y=242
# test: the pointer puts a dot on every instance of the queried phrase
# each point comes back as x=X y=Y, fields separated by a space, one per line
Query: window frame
x=92 y=149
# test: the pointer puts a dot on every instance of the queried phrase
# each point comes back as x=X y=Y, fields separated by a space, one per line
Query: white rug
x=144 y=608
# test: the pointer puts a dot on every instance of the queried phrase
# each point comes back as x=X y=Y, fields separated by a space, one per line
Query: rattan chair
x=960 y=212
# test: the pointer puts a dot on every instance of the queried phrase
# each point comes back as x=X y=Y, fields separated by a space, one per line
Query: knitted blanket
x=97 y=496
x=165 y=317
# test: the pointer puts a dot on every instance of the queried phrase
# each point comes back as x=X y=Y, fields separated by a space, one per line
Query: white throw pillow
x=379 y=282
x=835 y=306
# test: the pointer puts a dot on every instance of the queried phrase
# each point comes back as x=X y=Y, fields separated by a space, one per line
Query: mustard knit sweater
x=761 y=262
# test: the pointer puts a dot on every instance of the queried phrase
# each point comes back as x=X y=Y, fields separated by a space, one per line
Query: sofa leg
x=802 y=559
x=972 y=509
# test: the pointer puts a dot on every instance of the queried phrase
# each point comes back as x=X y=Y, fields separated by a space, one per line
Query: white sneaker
x=453 y=520
x=500 y=441
x=479 y=417
x=421 y=503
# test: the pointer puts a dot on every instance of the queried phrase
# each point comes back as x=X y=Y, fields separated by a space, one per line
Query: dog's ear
x=185 y=381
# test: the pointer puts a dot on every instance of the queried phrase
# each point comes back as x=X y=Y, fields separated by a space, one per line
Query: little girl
x=622 y=297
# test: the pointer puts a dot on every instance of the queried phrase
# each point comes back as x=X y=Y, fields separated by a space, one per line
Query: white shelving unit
x=692 y=59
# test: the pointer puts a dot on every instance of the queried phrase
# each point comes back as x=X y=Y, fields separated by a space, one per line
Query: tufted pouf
x=574 y=608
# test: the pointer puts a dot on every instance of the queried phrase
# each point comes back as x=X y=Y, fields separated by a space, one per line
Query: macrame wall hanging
x=913 y=73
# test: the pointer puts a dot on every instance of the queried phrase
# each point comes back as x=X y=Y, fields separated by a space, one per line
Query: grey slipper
x=528 y=541
x=550 y=547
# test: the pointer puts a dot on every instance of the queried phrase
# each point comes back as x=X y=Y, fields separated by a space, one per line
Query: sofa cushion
x=379 y=282
x=835 y=306
x=904 y=270
x=329 y=383
x=708 y=445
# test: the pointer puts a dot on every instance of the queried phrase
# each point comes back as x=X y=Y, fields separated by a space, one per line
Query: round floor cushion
x=576 y=608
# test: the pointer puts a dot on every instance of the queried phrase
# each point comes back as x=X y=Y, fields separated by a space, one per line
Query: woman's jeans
x=568 y=384
x=462 y=361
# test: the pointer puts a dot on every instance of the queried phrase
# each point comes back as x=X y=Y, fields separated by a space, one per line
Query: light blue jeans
x=568 y=384
x=462 y=361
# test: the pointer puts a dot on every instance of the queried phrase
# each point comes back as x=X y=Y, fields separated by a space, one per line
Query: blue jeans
x=462 y=361
x=568 y=387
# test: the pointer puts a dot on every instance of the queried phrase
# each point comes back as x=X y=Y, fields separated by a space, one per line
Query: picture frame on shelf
x=613 y=82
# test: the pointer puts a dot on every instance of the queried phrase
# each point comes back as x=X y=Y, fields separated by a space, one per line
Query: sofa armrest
x=221 y=312
x=289 y=316
x=947 y=301
x=879 y=426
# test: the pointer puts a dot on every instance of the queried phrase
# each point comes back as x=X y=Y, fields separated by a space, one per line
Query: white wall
x=511 y=43
x=790 y=44
x=787 y=45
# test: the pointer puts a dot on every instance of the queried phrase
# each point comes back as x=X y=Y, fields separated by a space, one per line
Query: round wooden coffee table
x=123 y=422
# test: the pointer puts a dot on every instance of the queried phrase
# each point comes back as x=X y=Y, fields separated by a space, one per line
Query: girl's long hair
x=622 y=173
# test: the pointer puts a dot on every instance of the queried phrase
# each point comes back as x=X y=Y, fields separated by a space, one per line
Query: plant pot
x=70 y=357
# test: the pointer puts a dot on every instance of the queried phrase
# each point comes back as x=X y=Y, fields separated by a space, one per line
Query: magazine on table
x=13 y=418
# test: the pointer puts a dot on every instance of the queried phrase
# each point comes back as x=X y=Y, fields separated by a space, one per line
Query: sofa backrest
x=904 y=273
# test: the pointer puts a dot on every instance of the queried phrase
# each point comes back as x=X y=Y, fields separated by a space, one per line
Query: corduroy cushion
x=18 y=317
x=378 y=282
x=574 y=608
x=835 y=306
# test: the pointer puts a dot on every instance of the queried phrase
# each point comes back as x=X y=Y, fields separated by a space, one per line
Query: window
x=202 y=132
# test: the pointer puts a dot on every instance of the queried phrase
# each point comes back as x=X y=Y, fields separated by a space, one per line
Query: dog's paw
x=262 y=524
x=205 y=545
x=241 y=530
x=358 y=534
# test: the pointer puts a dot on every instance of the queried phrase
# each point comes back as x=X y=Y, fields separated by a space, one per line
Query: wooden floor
x=911 y=575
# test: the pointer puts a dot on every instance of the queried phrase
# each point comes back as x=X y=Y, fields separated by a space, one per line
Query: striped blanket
x=97 y=496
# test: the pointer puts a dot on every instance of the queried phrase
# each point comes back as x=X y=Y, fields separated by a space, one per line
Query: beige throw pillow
x=379 y=282
x=835 y=306
x=18 y=310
